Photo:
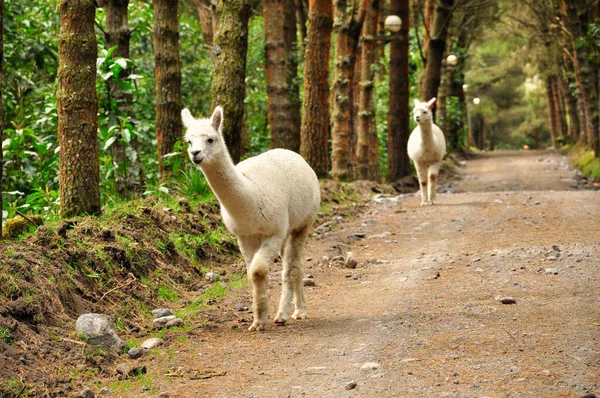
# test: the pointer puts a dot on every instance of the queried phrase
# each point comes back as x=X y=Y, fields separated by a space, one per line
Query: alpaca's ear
x=216 y=120
x=431 y=102
x=186 y=117
x=416 y=102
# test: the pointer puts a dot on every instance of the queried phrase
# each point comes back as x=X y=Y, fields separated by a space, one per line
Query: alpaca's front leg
x=259 y=277
x=432 y=176
x=422 y=176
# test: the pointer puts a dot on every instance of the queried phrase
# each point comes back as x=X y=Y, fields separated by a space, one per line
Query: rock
x=105 y=391
x=185 y=205
x=161 y=312
x=126 y=370
x=162 y=321
x=211 y=277
x=308 y=282
x=99 y=329
x=357 y=235
x=551 y=271
x=356 y=277
x=240 y=308
x=350 y=260
x=163 y=395
x=135 y=352
x=370 y=366
x=507 y=300
x=174 y=322
x=123 y=369
x=153 y=342
x=86 y=393
x=351 y=385
x=589 y=395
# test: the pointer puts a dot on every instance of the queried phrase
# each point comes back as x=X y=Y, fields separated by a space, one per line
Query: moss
x=18 y=226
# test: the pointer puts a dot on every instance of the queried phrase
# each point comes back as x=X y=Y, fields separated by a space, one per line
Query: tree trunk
x=398 y=113
x=563 y=128
x=347 y=32
x=129 y=176
x=435 y=52
x=428 y=12
x=77 y=105
x=284 y=134
x=229 y=69
x=571 y=104
x=208 y=20
x=588 y=91
x=1 y=112
x=315 y=124
x=366 y=107
x=551 y=111
x=301 y=18
x=168 y=81
x=291 y=46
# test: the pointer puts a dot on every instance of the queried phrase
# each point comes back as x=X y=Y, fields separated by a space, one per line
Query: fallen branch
x=120 y=286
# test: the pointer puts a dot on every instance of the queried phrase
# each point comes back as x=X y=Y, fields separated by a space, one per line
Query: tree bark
x=583 y=69
x=284 y=133
x=435 y=51
x=428 y=12
x=349 y=21
x=398 y=110
x=365 y=144
x=77 y=103
x=1 y=112
x=315 y=123
x=571 y=104
x=229 y=69
x=208 y=20
x=293 y=56
x=563 y=128
x=168 y=81
x=301 y=18
x=552 y=117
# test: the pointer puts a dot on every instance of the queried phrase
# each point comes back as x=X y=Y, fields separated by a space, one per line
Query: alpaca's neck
x=228 y=184
x=426 y=131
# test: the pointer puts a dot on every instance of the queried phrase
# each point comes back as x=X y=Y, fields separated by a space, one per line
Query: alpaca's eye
x=210 y=140
x=190 y=142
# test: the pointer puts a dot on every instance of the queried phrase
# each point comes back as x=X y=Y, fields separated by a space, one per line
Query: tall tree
x=398 y=114
x=315 y=122
x=350 y=16
x=129 y=174
x=285 y=132
x=77 y=103
x=1 y=112
x=207 y=13
x=435 y=51
x=293 y=57
x=168 y=81
x=229 y=69
x=583 y=70
x=365 y=144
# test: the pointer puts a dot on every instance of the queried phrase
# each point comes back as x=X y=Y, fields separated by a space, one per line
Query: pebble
x=351 y=385
x=135 y=352
x=308 y=282
x=356 y=277
x=163 y=395
x=105 y=391
x=370 y=366
x=86 y=393
x=161 y=312
x=163 y=320
x=211 y=277
x=507 y=300
x=590 y=395
x=174 y=322
x=123 y=369
x=241 y=308
x=350 y=260
x=153 y=342
x=551 y=271
x=359 y=235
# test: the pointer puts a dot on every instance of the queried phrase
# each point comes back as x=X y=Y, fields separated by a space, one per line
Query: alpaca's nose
x=194 y=153
x=418 y=118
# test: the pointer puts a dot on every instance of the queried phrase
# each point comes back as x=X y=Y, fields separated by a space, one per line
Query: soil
x=422 y=315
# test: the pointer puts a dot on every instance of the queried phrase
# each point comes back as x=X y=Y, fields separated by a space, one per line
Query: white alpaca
x=426 y=147
x=269 y=202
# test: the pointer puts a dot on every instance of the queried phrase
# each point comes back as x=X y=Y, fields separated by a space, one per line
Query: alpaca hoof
x=424 y=203
x=256 y=327
x=280 y=320
x=300 y=314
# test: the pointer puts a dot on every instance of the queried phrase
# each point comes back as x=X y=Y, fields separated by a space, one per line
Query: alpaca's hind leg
x=422 y=176
x=432 y=176
x=292 y=278
x=258 y=273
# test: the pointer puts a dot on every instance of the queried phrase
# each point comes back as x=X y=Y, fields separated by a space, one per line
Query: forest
x=337 y=91
x=103 y=211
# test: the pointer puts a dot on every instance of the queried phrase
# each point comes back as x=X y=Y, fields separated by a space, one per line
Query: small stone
x=370 y=366
x=211 y=277
x=545 y=372
x=163 y=395
x=589 y=395
x=153 y=342
x=174 y=322
x=350 y=260
x=86 y=393
x=241 y=308
x=135 y=352
x=161 y=312
x=105 y=391
x=163 y=320
x=551 y=271
x=351 y=385
x=356 y=277
x=507 y=300
x=358 y=235
x=123 y=369
x=308 y=282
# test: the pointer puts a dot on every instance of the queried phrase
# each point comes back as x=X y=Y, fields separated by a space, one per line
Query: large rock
x=99 y=329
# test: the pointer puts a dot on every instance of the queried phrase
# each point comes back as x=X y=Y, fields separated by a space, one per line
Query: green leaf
x=109 y=142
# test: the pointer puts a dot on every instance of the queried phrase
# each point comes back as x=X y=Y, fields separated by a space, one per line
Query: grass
x=5 y=336
x=166 y=293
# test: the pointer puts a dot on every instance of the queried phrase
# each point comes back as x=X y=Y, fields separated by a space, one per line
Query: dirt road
x=420 y=316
